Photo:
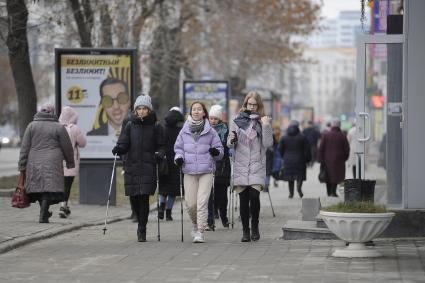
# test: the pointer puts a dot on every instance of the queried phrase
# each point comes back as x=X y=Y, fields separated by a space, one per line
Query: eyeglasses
x=252 y=104
x=107 y=101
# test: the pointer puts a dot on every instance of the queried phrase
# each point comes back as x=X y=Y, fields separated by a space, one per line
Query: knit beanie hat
x=216 y=111
x=143 y=100
x=175 y=108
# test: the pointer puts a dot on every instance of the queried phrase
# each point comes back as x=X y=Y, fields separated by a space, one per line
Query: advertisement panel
x=99 y=84
x=207 y=92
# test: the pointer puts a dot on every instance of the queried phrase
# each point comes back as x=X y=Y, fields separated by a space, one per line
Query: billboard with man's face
x=99 y=85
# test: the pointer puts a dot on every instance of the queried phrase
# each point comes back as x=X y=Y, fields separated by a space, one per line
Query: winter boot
x=168 y=215
x=141 y=233
x=45 y=214
x=161 y=210
x=245 y=236
x=300 y=192
x=291 y=192
x=255 y=233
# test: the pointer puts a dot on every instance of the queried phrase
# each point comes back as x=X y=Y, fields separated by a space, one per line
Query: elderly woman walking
x=197 y=148
x=251 y=136
x=334 y=150
x=45 y=145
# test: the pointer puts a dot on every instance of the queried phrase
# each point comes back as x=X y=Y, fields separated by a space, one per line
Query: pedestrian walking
x=44 y=146
x=197 y=148
x=277 y=158
x=142 y=139
x=295 y=150
x=69 y=119
x=313 y=136
x=250 y=137
x=217 y=205
x=333 y=152
x=169 y=184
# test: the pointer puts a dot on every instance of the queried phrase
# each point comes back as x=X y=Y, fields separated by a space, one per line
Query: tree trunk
x=84 y=21
x=106 y=29
x=166 y=61
x=17 y=44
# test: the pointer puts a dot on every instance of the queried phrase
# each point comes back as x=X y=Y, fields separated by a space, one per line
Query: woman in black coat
x=295 y=151
x=169 y=184
x=143 y=141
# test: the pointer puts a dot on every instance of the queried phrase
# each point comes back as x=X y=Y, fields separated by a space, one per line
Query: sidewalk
x=20 y=226
x=120 y=258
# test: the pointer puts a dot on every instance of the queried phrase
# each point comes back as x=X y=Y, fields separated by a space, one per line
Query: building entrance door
x=379 y=115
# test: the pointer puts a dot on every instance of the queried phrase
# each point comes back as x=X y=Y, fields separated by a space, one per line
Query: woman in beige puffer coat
x=250 y=137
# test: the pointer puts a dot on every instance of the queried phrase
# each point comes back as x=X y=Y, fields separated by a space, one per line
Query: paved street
x=86 y=255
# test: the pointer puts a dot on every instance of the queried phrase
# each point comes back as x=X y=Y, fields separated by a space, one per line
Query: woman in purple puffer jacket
x=197 y=148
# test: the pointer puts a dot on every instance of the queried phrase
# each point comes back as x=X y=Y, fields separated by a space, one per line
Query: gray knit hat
x=143 y=100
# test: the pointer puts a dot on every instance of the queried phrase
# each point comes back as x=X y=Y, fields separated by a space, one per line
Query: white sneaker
x=199 y=237
x=194 y=230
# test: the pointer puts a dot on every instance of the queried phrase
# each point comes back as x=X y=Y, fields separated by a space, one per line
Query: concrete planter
x=356 y=229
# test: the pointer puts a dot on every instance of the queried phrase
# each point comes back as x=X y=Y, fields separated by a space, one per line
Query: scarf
x=196 y=127
x=221 y=130
x=249 y=122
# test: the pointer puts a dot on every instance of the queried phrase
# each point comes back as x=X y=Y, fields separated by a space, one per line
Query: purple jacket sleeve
x=179 y=146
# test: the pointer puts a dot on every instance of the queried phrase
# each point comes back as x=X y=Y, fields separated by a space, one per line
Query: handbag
x=323 y=174
x=19 y=197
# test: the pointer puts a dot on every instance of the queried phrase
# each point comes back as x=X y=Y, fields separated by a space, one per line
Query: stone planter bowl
x=356 y=229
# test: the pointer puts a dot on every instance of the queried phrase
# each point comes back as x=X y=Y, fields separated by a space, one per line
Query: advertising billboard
x=207 y=92
x=99 y=84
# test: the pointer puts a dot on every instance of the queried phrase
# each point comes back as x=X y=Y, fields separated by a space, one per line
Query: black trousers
x=68 y=184
x=249 y=205
x=331 y=188
x=140 y=205
x=220 y=203
x=291 y=186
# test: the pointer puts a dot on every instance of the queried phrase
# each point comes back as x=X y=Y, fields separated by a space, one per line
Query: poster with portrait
x=99 y=84
x=207 y=92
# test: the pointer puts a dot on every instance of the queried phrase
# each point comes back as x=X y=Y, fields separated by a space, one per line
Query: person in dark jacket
x=313 y=135
x=217 y=203
x=295 y=151
x=142 y=140
x=169 y=184
x=334 y=150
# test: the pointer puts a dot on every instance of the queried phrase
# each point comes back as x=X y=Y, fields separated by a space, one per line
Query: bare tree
x=83 y=15
x=17 y=44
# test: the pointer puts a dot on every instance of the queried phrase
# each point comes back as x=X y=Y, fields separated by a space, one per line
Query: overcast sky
x=331 y=8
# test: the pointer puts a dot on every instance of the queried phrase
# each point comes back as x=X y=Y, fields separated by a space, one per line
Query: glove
x=158 y=157
x=179 y=161
x=235 y=139
x=214 y=152
x=116 y=150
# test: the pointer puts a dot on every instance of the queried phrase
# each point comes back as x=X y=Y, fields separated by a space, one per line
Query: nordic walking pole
x=181 y=198
x=271 y=205
x=157 y=200
x=213 y=197
x=232 y=183
x=109 y=194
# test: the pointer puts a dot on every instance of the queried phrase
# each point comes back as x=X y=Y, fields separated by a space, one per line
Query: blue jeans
x=169 y=200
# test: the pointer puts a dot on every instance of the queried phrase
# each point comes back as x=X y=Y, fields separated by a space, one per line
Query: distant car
x=8 y=137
